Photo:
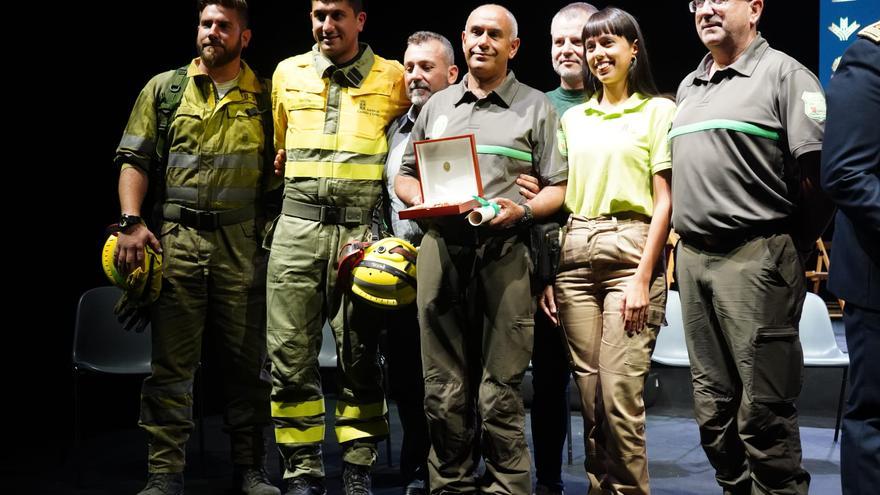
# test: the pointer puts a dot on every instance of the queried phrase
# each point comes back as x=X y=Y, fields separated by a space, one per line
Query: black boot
x=253 y=480
x=416 y=487
x=356 y=479
x=305 y=485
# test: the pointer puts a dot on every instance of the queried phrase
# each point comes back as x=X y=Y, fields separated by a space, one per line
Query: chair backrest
x=100 y=343
x=817 y=335
x=327 y=355
x=671 y=349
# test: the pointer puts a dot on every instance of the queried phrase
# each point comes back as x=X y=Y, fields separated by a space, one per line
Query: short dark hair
x=239 y=6
x=612 y=20
x=356 y=5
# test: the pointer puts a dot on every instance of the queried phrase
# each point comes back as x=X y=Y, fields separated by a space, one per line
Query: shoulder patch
x=871 y=32
x=814 y=105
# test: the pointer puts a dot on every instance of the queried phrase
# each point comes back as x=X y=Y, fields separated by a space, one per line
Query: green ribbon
x=483 y=202
x=488 y=149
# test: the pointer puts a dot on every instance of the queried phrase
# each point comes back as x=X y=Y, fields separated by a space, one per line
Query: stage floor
x=113 y=462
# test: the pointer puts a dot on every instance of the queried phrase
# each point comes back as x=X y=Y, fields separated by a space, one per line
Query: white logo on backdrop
x=844 y=29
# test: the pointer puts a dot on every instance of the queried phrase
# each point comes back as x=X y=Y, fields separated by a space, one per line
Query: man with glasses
x=746 y=202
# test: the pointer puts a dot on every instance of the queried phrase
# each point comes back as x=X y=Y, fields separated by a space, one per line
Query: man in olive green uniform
x=475 y=301
x=215 y=183
x=331 y=108
x=745 y=170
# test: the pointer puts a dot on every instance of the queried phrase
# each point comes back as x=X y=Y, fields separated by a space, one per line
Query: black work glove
x=132 y=311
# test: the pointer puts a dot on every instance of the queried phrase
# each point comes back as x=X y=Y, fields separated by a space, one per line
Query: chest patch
x=439 y=127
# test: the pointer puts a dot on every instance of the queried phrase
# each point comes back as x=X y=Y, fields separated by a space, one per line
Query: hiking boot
x=253 y=480
x=356 y=479
x=305 y=485
x=163 y=484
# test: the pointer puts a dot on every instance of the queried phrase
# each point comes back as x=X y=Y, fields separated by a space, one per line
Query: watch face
x=128 y=221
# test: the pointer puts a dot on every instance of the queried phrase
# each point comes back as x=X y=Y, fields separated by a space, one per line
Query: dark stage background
x=111 y=51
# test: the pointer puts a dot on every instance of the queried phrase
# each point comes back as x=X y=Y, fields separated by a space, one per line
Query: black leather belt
x=204 y=219
x=729 y=241
x=327 y=214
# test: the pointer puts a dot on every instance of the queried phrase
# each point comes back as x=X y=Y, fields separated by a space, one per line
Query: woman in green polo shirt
x=610 y=292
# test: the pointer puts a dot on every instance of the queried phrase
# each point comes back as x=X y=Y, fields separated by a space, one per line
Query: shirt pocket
x=305 y=106
x=367 y=112
x=244 y=129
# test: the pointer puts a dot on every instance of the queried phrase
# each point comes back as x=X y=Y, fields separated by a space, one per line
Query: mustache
x=419 y=85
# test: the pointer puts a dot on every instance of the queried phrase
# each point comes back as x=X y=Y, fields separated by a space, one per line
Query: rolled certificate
x=483 y=214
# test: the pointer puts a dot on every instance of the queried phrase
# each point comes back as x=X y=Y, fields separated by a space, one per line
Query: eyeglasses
x=695 y=5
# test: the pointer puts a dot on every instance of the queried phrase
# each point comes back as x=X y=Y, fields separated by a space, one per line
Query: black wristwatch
x=126 y=221
x=527 y=215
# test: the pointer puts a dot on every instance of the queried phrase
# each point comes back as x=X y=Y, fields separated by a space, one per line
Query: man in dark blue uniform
x=851 y=176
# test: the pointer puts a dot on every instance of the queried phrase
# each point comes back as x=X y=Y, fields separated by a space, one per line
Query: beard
x=568 y=73
x=419 y=94
x=220 y=55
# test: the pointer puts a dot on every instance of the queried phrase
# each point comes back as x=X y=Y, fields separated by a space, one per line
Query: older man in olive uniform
x=475 y=301
x=745 y=202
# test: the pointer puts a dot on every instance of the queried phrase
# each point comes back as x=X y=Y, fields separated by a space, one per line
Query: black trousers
x=860 y=444
x=551 y=375
x=407 y=389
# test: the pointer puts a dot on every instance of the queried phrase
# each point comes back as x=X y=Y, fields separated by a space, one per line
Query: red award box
x=449 y=177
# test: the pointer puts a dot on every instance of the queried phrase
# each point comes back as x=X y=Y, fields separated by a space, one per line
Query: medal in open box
x=449 y=177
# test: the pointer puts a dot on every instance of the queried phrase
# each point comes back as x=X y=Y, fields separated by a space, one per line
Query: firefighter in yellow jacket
x=331 y=107
x=197 y=140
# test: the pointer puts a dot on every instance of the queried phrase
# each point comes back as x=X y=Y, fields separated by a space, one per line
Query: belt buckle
x=352 y=215
x=329 y=214
x=206 y=220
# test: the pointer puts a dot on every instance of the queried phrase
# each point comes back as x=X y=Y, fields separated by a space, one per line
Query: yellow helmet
x=386 y=277
x=145 y=281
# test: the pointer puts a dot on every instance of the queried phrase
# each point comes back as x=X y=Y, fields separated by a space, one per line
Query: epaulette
x=872 y=32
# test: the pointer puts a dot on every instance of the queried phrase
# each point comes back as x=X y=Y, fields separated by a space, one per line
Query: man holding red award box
x=475 y=299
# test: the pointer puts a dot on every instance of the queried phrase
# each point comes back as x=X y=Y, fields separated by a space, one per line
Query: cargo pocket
x=269 y=233
x=249 y=228
x=777 y=373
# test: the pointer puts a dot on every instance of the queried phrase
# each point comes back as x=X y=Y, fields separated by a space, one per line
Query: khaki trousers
x=599 y=257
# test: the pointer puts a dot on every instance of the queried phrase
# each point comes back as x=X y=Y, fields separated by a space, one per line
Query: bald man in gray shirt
x=475 y=300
